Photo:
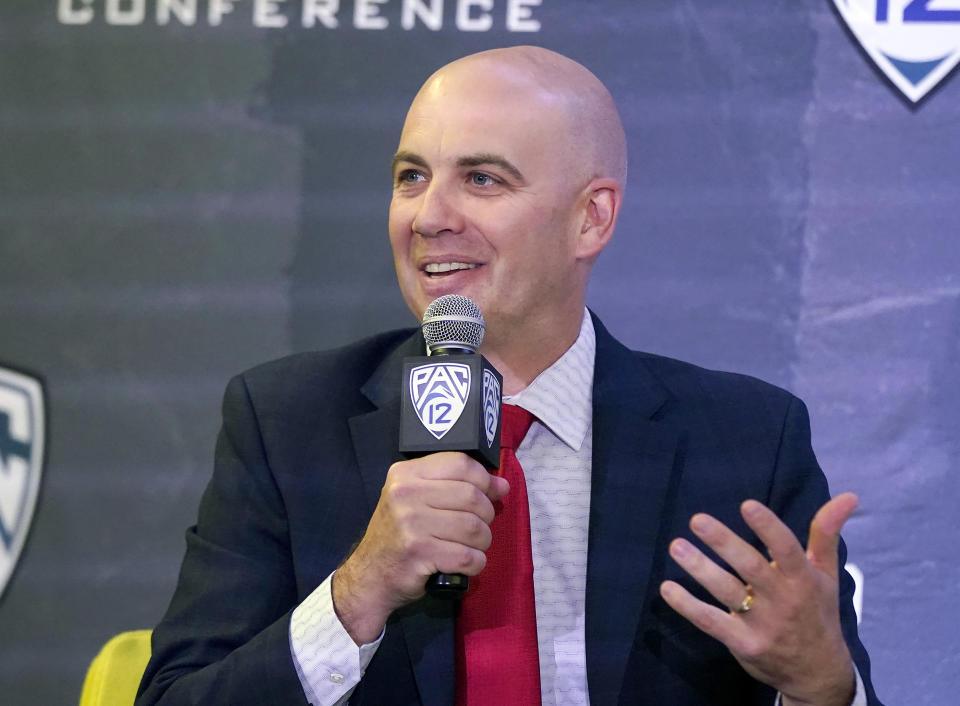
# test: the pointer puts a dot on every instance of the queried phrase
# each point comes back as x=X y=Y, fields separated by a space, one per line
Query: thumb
x=825 y=531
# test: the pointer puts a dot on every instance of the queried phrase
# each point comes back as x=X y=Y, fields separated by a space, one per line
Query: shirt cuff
x=859 y=698
x=328 y=661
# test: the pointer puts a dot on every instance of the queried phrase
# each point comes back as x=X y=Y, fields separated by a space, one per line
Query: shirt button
x=336 y=678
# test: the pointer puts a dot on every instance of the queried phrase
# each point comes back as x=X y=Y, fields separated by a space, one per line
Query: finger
x=455 y=465
x=712 y=620
x=456 y=558
x=781 y=542
x=751 y=565
x=723 y=586
x=459 y=495
x=462 y=528
x=825 y=531
x=497 y=488
x=448 y=465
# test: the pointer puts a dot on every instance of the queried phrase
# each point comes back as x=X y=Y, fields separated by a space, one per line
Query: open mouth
x=442 y=269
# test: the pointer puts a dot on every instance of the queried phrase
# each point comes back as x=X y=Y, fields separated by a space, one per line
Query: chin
x=435 y=292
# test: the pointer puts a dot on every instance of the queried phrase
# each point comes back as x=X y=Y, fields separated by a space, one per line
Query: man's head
x=507 y=184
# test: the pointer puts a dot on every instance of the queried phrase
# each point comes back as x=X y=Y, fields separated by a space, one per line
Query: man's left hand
x=783 y=623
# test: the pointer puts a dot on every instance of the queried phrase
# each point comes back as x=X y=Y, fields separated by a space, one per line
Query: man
x=304 y=577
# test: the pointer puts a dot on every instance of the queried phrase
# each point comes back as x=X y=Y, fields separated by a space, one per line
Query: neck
x=521 y=359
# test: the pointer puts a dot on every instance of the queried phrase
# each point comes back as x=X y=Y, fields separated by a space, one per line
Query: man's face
x=485 y=204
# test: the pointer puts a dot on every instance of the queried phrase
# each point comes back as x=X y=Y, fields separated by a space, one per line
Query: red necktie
x=496 y=631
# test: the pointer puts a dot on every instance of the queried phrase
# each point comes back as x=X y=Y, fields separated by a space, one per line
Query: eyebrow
x=404 y=156
x=478 y=160
x=473 y=160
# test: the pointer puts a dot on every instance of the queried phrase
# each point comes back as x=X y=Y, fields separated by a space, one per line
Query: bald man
x=304 y=577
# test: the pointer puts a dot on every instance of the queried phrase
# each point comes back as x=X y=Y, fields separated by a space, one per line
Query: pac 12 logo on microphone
x=916 y=43
x=491 y=406
x=439 y=393
x=21 y=462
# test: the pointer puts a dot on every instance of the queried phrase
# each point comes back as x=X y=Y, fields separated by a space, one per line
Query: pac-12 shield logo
x=491 y=406
x=21 y=462
x=916 y=43
x=439 y=392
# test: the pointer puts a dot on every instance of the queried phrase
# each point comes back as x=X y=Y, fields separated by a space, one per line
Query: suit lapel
x=427 y=625
x=634 y=468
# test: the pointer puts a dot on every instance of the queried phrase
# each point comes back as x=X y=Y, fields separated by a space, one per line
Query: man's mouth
x=441 y=269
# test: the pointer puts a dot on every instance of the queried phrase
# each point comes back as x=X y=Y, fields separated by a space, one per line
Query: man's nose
x=439 y=212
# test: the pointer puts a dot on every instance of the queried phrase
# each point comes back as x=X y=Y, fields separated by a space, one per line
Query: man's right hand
x=434 y=514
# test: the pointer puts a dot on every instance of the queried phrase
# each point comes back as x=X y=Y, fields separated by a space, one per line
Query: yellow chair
x=114 y=674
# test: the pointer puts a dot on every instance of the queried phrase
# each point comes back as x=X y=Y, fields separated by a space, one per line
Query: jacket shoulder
x=338 y=372
x=687 y=380
x=681 y=387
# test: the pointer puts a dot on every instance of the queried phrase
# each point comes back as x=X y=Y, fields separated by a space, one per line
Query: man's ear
x=602 y=205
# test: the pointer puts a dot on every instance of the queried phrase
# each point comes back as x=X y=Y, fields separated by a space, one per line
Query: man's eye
x=481 y=179
x=409 y=176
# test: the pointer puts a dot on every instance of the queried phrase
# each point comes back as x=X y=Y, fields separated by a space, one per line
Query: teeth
x=437 y=267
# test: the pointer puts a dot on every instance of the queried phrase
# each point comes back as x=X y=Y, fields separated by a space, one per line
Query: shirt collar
x=561 y=397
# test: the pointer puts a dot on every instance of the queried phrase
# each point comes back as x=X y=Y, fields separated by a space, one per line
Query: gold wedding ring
x=747 y=602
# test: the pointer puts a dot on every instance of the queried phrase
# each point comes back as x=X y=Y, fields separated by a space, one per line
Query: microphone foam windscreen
x=453 y=321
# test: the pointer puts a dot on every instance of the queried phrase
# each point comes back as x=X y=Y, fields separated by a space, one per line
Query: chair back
x=114 y=674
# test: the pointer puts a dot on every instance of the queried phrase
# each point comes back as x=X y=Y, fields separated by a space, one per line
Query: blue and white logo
x=916 y=43
x=21 y=462
x=491 y=406
x=439 y=393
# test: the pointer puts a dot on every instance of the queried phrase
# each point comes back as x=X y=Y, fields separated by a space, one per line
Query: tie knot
x=515 y=421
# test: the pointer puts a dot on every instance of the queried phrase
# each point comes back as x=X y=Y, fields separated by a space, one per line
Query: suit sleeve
x=798 y=490
x=225 y=636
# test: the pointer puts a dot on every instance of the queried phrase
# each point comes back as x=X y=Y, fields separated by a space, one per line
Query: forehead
x=450 y=118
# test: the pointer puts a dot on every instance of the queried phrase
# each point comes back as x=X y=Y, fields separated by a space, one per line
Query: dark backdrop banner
x=188 y=188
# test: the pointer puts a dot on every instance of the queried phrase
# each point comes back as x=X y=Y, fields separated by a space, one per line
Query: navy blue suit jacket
x=301 y=458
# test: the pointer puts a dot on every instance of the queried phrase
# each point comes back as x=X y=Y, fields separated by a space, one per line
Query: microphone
x=450 y=400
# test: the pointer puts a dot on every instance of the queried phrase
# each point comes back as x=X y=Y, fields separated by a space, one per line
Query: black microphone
x=450 y=400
